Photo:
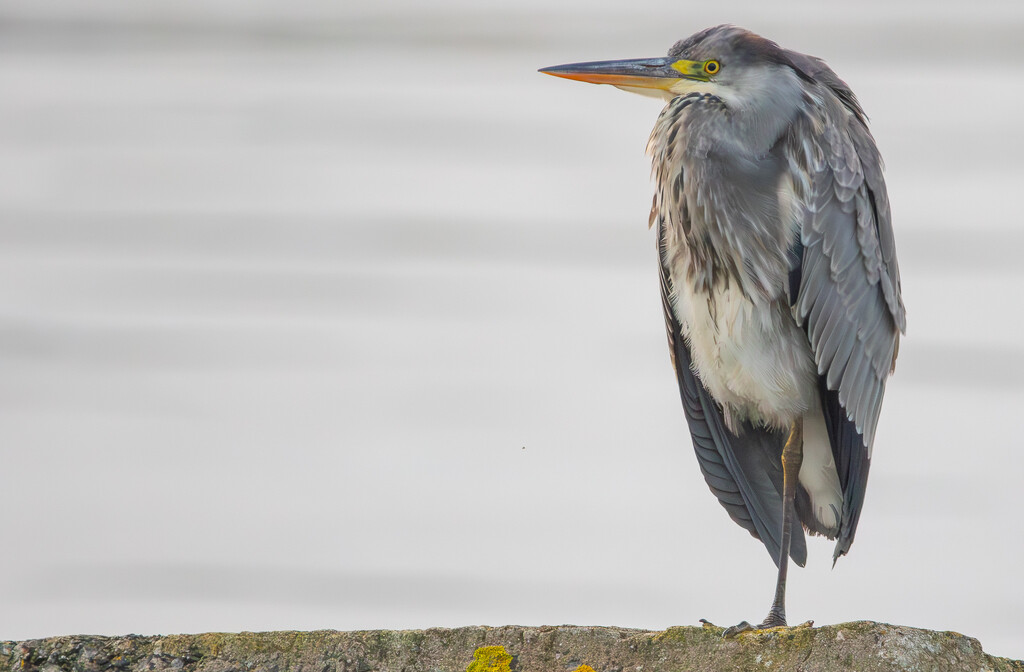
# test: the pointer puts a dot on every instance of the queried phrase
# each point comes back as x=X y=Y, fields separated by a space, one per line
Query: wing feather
x=848 y=296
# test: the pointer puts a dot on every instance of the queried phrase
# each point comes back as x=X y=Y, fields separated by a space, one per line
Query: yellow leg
x=792 y=458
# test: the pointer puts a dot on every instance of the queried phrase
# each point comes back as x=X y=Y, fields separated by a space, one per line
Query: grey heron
x=779 y=279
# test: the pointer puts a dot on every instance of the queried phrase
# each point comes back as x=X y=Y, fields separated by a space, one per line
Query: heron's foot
x=734 y=630
x=776 y=619
x=727 y=632
x=768 y=624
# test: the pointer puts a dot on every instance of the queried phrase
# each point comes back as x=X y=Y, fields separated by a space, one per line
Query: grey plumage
x=718 y=171
x=779 y=276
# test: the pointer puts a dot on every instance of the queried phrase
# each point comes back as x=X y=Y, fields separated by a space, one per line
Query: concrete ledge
x=863 y=646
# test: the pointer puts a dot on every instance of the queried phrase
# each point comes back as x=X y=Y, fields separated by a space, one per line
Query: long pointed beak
x=643 y=73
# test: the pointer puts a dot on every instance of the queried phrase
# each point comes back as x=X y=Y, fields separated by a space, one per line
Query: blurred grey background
x=339 y=315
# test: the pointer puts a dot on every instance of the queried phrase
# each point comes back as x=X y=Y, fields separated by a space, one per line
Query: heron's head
x=729 y=62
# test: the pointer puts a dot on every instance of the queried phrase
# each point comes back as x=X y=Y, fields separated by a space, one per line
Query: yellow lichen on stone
x=584 y=668
x=490 y=659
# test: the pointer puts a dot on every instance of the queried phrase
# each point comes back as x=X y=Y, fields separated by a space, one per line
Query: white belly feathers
x=757 y=363
x=751 y=357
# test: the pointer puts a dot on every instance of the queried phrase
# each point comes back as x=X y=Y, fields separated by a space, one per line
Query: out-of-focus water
x=341 y=316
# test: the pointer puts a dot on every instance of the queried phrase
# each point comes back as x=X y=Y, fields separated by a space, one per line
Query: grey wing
x=847 y=285
x=744 y=471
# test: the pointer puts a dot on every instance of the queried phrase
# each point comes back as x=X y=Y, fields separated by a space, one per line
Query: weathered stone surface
x=861 y=646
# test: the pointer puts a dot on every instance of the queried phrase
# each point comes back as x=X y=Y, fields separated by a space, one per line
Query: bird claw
x=735 y=630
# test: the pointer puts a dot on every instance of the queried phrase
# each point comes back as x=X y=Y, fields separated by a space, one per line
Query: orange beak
x=638 y=73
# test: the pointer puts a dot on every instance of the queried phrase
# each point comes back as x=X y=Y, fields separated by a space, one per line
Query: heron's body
x=779 y=278
x=728 y=274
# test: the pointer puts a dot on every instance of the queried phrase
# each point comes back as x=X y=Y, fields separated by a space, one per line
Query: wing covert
x=848 y=292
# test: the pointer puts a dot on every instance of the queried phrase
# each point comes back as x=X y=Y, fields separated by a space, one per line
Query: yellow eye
x=712 y=67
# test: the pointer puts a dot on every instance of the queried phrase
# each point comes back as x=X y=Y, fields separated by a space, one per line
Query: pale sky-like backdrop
x=339 y=315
